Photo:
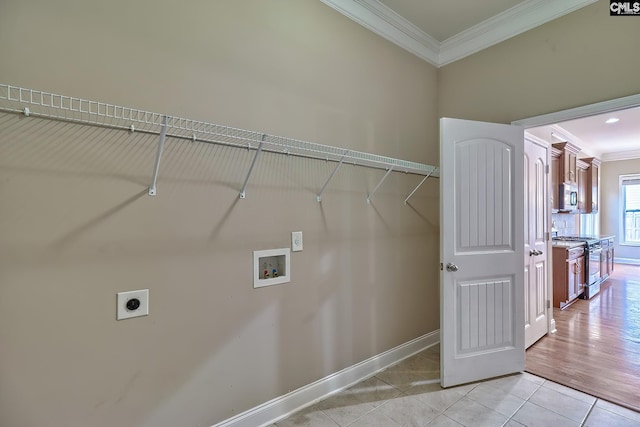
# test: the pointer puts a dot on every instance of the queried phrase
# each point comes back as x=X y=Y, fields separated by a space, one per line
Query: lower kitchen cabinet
x=607 y=257
x=568 y=275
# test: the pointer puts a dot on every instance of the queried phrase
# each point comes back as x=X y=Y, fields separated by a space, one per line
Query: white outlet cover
x=123 y=297
x=296 y=241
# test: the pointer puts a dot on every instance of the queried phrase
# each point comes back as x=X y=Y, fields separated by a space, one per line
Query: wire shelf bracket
x=46 y=105
x=418 y=186
x=163 y=136
x=319 y=195
x=369 y=196
x=243 y=193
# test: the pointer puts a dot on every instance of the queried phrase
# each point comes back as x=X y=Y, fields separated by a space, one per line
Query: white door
x=536 y=251
x=482 y=250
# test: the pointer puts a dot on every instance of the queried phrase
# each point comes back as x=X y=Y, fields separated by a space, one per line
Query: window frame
x=622 y=210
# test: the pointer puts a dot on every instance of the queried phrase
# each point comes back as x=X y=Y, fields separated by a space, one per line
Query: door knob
x=538 y=252
x=532 y=252
x=452 y=267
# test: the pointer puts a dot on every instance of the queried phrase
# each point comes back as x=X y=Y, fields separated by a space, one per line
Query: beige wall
x=610 y=202
x=76 y=224
x=581 y=58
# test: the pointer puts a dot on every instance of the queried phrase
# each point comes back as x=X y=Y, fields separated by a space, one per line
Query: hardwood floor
x=596 y=348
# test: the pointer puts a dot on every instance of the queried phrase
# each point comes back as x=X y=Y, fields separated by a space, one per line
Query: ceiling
x=444 y=31
x=444 y=19
x=596 y=138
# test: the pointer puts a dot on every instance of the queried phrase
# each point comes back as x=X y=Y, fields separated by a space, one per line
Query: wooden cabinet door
x=568 y=161
x=570 y=172
x=603 y=264
x=572 y=279
x=580 y=276
x=592 y=202
x=611 y=267
x=609 y=261
x=592 y=184
x=582 y=190
x=555 y=182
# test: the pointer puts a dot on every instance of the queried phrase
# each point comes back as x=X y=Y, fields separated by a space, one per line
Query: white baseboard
x=632 y=261
x=283 y=406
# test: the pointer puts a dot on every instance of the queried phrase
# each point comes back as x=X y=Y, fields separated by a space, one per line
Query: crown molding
x=375 y=16
x=383 y=21
x=516 y=20
x=564 y=135
x=622 y=155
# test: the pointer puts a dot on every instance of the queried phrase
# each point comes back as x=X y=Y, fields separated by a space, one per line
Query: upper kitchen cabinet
x=593 y=173
x=555 y=179
x=582 y=171
x=567 y=162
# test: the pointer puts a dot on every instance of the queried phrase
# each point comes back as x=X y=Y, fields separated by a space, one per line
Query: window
x=630 y=203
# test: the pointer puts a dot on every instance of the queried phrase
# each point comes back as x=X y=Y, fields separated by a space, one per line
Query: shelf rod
x=253 y=163
x=319 y=196
x=379 y=184
x=163 y=136
x=416 y=189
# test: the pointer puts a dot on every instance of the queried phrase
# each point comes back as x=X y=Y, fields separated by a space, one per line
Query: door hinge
x=441 y=267
x=548 y=303
x=546 y=236
x=547 y=169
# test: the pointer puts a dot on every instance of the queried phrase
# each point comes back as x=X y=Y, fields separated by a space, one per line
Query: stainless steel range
x=592 y=252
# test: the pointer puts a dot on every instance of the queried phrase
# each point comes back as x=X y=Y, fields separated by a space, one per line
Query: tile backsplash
x=565 y=224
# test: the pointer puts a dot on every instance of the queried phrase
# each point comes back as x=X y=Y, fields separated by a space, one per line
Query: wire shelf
x=42 y=104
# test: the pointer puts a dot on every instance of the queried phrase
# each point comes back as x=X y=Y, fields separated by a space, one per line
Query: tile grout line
x=593 y=405
x=524 y=401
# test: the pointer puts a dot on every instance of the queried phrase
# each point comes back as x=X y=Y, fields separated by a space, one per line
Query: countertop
x=602 y=237
x=572 y=244
x=566 y=244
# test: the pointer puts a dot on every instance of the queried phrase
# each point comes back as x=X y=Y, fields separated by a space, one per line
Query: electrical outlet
x=296 y=241
x=132 y=304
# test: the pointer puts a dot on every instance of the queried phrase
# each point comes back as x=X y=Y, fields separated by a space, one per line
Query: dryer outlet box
x=132 y=304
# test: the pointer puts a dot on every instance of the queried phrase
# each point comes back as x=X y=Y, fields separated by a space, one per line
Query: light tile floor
x=409 y=394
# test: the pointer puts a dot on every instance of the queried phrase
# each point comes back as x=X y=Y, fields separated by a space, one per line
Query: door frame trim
x=608 y=106
x=579 y=112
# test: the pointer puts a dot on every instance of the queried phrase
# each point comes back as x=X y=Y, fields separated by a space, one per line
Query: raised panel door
x=482 y=250
x=582 y=190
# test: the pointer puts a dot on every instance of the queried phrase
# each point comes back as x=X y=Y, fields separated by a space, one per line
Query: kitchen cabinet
x=582 y=185
x=610 y=254
x=592 y=184
x=555 y=179
x=568 y=275
x=606 y=258
x=567 y=162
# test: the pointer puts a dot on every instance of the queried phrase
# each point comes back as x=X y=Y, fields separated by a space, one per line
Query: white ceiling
x=444 y=31
x=596 y=138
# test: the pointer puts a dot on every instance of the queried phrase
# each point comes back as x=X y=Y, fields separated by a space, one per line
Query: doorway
x=575 y=317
